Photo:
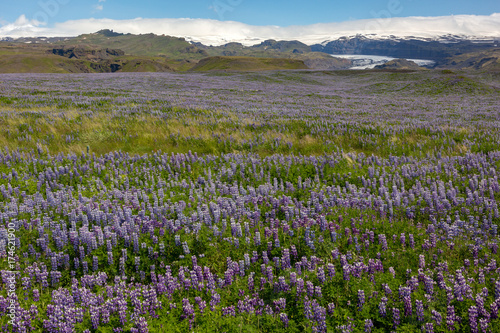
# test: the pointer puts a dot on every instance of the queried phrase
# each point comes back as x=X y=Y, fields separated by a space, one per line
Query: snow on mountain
x=213 y=32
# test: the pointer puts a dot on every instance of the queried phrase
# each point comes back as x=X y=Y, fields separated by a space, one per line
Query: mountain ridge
x=106 y=50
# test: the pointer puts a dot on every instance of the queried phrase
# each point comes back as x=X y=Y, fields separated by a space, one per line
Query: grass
x=101 y=118
x=247 y=64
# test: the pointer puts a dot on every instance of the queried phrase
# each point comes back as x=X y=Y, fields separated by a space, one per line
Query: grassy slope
x=21 y=58
x=176 y=129
x=143 y=45
x=487 y=60
x=247 y=64
x=25 y=59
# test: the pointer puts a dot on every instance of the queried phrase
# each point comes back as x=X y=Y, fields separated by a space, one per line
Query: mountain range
x=109 y=51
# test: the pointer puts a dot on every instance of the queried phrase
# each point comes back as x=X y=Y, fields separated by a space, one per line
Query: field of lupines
x=257 y=202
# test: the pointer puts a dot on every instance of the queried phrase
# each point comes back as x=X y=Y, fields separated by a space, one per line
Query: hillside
x=487 y=61
x=141 y=45
x=401 y=48
x=247 y=64
x=29 y=58
x=108 y=51
x=399 y=64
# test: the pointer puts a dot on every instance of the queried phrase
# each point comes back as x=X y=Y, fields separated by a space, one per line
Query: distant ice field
x=364 y=61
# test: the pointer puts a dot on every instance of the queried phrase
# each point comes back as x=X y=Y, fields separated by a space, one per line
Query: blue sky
x=254 y=12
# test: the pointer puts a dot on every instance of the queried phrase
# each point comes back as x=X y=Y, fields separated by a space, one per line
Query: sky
x=67 y=17
x=253 y=12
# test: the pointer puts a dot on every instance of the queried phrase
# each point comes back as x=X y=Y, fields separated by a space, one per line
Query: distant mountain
x=293 y=46
x=142 y=45
x=399 y=64
x=404 y=48
x=109 y=51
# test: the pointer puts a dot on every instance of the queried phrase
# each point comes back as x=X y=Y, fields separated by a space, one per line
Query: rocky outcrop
x=87 y=53
x=489 y=60
x=283 y=46
x=399 y=64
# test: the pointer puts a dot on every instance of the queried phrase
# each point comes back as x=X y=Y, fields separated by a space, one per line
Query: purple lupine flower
x=485 y=292
x=481 y=278
x=85 y=267
x=282 y=285
x=298 y=268
x=284 y=319
x=368 y=325
x=229 y=311
x=494 y=309
x=497 y=289
x=429 y=285
x=228 y=277
x=331 y=270
x=251 y=282
x=319 y=317
x=361 y=299
x=346 y=271
x=280 y=304
x=293 y=279
x=263 y=281
x=383 y=241
x=317 y=292
x=187 y=308
x=382 y=306
x=321 y=275
x=269 y=310
x=142 y=325
x=428 y=328
x=201 y=303
x=310 y=289
x=94 y=315
x=257 y=238
x=214 y=301
x=473 y=319
x=330 y=308
x=451 y=318
x=411 y=241
x=480 y=305
x=110 y=258
x=387 y=289
x=483 y=323
x=308 y=309
x=436 y=316
x=421 y=261
x=407 y=305
x=395 y=317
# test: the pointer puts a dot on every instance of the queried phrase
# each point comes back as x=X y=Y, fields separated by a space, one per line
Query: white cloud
x=22 y=27
x=219 y=32
x=98 y=7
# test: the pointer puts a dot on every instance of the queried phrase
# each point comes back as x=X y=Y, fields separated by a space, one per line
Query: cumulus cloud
x=220 y=32
x=22 y=27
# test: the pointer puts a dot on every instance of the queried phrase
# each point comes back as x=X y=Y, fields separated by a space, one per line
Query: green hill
x=247 y=64
x=141 y=45
x=487 y=61
x=30 y=58
x=397 y=64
